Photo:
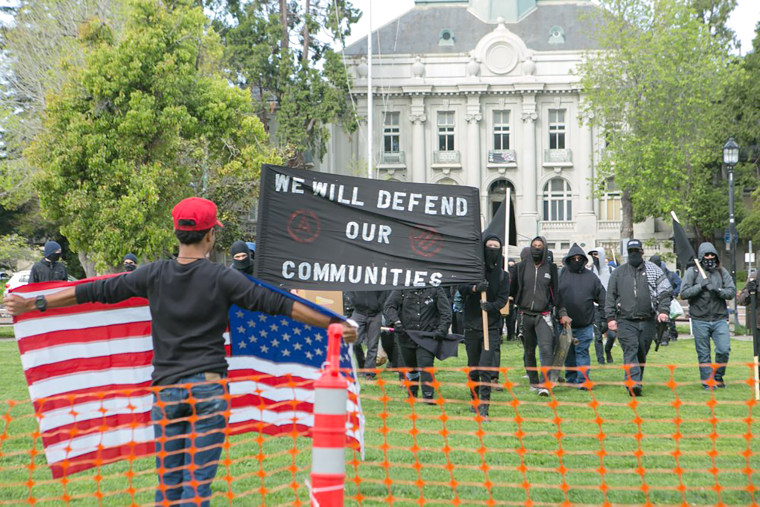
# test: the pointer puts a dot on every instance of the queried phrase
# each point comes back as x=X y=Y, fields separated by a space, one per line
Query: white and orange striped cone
x=328 y=453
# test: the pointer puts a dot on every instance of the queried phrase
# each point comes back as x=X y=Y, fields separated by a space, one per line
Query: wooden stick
x=486 y=345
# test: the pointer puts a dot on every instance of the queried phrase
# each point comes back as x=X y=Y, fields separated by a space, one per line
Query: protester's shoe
x=600 y=360
x=637 y=391
x=483 y=412
x=542 y=391
x=609 y=358
x=428 y=401
x=706 y=387
x=720 y=384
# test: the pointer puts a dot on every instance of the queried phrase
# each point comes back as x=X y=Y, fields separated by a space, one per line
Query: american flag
x=88 y=370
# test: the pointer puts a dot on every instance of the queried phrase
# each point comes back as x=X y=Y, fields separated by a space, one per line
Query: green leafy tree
x=146 y=121
x=656 y=88
x=282 y=53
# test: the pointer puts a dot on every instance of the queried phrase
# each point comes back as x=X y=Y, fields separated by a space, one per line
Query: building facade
x=483 y=93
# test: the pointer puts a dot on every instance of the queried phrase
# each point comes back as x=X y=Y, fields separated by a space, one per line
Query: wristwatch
x=41 y=303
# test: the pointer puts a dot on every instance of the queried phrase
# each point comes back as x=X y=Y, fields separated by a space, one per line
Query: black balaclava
x=576 y=266
x=537 y=254
x=244 y=265
x=129 y=267
x=709 y=264
x=492 y=255
x=635 y=258
x=51 y=251
x=594 y=259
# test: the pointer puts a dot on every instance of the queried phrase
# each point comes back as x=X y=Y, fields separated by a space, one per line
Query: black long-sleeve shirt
x=188 y=305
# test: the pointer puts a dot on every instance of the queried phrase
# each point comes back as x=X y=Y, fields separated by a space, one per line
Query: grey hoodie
x=707 y=301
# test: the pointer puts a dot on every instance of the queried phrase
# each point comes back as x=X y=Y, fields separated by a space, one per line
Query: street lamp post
x=730 y=158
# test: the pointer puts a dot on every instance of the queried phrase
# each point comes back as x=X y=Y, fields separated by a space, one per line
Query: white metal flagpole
x=370 y=169
x=507 y=211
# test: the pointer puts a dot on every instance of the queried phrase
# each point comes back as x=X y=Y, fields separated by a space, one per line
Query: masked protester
x=496 y=287
x=129 y=262
x=49 y=268
x=580 y=290
x=745 y=298
x=535 y=290
x=709 y=313
x=675 y=282
x=368 y=314
x=638 y=296
x=241 y=257
x=426 y=309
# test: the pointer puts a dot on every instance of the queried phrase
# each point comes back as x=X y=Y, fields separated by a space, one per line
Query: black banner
x=318 y=230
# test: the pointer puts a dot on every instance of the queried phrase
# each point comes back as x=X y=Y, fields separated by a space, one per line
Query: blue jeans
x=578 y=355
x=703 y=330
x=187 y=443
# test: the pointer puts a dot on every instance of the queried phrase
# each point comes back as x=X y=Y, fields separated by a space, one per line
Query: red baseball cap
x=198 y=214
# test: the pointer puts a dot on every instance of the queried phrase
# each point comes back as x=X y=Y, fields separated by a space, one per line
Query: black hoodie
x=579 y=291
x=497 y=294
x=535 y=287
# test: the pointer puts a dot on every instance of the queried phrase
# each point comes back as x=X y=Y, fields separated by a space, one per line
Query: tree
x=281 y=53
x=657 y=86
x=142 y=123
x=36 y=49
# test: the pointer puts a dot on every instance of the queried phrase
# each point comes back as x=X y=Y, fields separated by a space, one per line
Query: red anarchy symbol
x=425 y=242
x=304 y=226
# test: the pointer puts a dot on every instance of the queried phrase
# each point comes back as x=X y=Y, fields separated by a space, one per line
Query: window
x=558 y=201
x=446 y=130
x=391 y=133
x=501 y=130
x=610 y=207
x=557 y=129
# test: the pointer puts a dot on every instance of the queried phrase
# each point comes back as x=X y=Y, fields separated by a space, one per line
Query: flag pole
x=507 y=210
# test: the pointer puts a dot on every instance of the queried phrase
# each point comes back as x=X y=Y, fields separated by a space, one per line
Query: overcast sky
x=743 y=19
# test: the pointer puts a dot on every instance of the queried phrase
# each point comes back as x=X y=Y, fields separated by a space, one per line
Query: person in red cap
x=189 y=298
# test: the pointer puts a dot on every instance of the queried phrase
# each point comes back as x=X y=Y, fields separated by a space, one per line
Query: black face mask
x=129 y=267
x=243 y=264
x=492 y=256
x=596 y=262
x=635 y=258
x=54 y=256
x=536 y=253
x=575 y=266
x=709 y=264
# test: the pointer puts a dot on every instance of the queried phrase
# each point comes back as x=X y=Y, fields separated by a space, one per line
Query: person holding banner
x=638 y=297
x=709 y=313
x=418 y=312
x=189 y=299
x=496 y=287
x=535 y=289
x=368 y=314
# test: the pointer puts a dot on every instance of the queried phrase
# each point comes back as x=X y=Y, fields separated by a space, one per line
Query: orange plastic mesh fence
x=677 y=444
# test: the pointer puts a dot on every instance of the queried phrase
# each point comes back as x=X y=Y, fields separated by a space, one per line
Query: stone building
x=483 y=93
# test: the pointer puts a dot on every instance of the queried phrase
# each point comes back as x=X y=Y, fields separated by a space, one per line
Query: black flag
x=684 y=250
x=497 y=226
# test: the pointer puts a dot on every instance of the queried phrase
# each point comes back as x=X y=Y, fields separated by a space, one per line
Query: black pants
x=511 y=321
x=415 y=357
x=636 y=337
x=537 y=330
x=477 y=355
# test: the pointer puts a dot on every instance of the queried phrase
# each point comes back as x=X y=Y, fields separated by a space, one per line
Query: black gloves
x=751 y=285
x=440 y=335
x=481 y=286
x=706 y=284
x=487 y=306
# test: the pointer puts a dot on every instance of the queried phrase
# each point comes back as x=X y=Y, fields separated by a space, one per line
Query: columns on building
x=585 y=219
x=528 y=211
x=416 y=170
x=473 y=166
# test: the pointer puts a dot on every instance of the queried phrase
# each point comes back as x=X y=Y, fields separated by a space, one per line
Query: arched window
x=558 y=200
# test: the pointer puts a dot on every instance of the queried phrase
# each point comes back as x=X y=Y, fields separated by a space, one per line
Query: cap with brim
x=634 y=244
x=195 y=214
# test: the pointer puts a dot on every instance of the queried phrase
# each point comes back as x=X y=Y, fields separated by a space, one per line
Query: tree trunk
x=87 y=264
x=305 y=55
x=284 y=43
x=626 y=225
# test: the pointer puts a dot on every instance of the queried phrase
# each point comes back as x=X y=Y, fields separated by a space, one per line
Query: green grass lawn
x=677 y=444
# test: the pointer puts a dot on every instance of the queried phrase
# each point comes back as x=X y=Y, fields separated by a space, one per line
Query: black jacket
x=369 y=303
x=629 y=292
x=46 y=271
x=425 y=309
x=497 y=293
x=579 y=291
x=535 y=288
x=704 y=304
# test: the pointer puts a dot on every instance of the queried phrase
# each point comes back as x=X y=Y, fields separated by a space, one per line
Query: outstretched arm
x=15 y=304
x=303 y=313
